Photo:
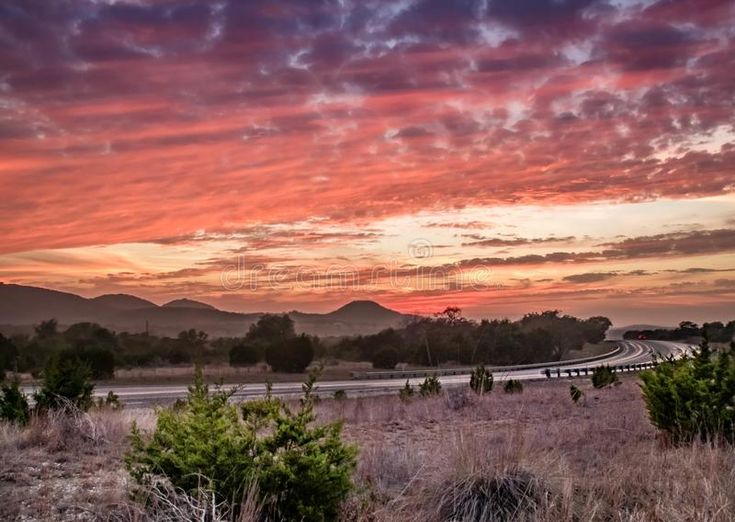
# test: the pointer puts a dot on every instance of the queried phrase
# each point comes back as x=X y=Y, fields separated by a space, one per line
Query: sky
x=503 y=157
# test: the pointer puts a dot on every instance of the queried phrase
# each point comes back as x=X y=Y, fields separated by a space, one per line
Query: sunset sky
x=501 y=156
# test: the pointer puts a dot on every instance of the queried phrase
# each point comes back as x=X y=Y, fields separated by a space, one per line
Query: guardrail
x=427 y=372
x=552 y=373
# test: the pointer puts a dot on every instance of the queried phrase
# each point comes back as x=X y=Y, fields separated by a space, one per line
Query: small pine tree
x=13 y=403
x=481 y=380
x=603 y=376
x=693 y=398
x=576 y=394
x=407 y=392
x=302 y=471
x=513 y=386
x=340 y=395
x=430 y=386
x=66 y=379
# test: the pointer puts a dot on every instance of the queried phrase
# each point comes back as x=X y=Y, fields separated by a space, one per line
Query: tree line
x=447 y=337
x=716 y=332
x=450 y=338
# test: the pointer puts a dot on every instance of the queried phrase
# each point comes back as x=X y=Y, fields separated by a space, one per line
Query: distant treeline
x=716 y=332
x=447 y=337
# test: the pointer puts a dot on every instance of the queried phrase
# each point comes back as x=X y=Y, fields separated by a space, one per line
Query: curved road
x=631 y=352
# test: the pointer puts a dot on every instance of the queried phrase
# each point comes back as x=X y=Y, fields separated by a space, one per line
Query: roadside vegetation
x=273 y=343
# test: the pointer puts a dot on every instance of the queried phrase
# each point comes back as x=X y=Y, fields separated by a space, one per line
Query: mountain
x=29 y=305
x=188 y=303
x=122 y=302
x=355 y=318
x=23 y=306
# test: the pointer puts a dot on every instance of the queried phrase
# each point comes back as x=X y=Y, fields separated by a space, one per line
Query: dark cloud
x=591 y=277
x=482 y=241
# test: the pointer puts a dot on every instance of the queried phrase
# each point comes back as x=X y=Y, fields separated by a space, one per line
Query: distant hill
x=357 y=317
x=122 y=302
x=24 y=306
x=188 y=303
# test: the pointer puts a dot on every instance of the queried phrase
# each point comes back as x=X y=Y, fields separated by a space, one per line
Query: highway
x=630 y=352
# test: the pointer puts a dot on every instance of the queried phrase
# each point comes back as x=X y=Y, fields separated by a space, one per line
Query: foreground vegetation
x=209 y=458
x=425 y=459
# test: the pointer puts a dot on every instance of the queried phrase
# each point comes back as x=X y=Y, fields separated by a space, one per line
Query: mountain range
x=23 y=306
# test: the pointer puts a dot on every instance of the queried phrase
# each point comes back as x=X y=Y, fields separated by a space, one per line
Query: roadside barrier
x=556 y=373
x=427 y=372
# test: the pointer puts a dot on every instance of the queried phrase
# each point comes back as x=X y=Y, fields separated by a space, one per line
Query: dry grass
x=529 y=456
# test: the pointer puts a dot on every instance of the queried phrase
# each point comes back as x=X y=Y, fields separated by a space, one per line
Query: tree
x=66 y=378
x=595 y=328
x=301 y=471
x=13 y=403
x=481 y=380
x=271 y=329
x=693 y=398
x=46 y=329
x=385 y=358
x=8 y=356
x=193 y=342
x=293 y=355
x=245 y=354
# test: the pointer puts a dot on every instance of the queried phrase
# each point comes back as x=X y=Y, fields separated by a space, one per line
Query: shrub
x=385 y=358
x=406 y=392
x=576 y=394
x=66 y=378
x=291 y=355
x=340 y=395
x=430 y=386
x=111 y=401
x=693 y=398
x=301 y=471
x=13 y=403
x=481 y=380
x=604 y=376
x=513 y=386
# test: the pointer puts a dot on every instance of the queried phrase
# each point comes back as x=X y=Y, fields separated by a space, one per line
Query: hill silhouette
x=24 y=306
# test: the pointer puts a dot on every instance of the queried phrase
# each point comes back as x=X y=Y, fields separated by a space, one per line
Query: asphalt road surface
x=147 y=395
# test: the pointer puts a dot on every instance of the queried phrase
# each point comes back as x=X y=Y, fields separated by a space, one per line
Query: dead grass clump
x=457 y=398
x=162 y=502
x=513 y=495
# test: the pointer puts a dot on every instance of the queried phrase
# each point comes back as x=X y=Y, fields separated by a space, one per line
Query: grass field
x=530 y=456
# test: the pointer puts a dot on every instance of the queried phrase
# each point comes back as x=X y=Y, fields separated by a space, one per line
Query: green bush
x=430 y=386
x=513 y=386
x=407 y=392
x=111 y=401
x=576 y=394
x=301 y=471
x=604 y=376
x=693 y=398
x=13 y=403
x=481 y=380
x=66 y=379
x=340 y=395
